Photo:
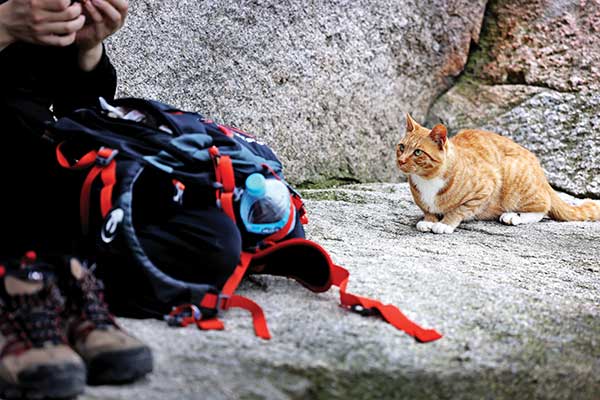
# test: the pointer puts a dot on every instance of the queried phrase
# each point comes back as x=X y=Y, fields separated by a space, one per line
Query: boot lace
x=32 y=320
x=90 y=305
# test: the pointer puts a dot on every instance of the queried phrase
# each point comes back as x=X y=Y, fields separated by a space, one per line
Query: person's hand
x=45 y=22
x=104 y=17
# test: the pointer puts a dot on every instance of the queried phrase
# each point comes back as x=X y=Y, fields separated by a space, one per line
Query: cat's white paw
x=511 y=218
x=521 y=218
x=424 y=226
x=439 y=227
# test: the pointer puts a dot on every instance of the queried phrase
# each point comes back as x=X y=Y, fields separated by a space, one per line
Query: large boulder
x=560 y=128
x=535 y=77
x=519 y=308
x=327 y=83
x=553 y=44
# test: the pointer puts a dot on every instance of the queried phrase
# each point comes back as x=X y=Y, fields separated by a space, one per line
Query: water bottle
x=265 y=205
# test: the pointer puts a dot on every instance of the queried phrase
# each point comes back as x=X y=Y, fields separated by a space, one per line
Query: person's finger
x=92 y=11
x=68 y=14
x=54 y=5
x=61 y=28
x=121 y=5
x=108 y=11
x=58 y=40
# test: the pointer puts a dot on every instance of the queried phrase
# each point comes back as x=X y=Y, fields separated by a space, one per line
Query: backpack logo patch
x=111 y=223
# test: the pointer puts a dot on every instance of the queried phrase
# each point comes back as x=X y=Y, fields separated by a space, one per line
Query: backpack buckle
x=105 y=155
x=222 y=302
x=179 y=190
x=183 y=315
x=365 y=312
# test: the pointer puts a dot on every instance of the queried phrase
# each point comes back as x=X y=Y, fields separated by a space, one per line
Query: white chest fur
x=428 y=189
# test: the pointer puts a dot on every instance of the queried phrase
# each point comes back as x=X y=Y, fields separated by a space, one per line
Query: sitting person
x=52 y=60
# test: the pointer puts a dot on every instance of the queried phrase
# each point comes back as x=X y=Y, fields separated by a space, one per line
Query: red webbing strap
x=85 y=161
x=224 y=175
x=84 y=197
x=191 y=318
x=227 y=176
x=258 y=317
x=108 y=174
x=228 y=132
x=228 y=300
x=283 y=232
x=210 y=300
x=234 y=280
x=213 y=324
x=388 y=312
x=109 y=179
x=225 y=167
x=299 y=204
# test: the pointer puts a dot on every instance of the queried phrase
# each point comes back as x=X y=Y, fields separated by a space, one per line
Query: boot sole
x=46 y=382
x=120 y=367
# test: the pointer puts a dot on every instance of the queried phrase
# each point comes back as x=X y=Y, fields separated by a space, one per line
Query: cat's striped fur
x=478 y=174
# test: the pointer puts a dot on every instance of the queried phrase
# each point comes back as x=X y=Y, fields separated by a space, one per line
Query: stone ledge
x=519 y=308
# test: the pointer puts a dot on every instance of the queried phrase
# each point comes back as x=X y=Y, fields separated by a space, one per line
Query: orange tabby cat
x=478 y=174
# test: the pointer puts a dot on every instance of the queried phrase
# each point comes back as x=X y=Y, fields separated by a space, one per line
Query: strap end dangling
x=428 y=335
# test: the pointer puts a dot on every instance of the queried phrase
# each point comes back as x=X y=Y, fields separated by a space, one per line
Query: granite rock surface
x=519 y=308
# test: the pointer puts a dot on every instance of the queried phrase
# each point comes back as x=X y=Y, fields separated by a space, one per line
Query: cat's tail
x=589 y=210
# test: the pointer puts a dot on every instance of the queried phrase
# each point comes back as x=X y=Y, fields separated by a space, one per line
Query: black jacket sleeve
x=82 y=89
x=40 y=82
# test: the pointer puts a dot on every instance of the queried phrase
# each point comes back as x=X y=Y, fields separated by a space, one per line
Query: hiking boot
x=35 y=359
x=111 y=355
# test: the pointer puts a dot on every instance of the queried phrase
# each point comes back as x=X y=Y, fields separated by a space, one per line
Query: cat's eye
x=401 y=148
x=418 y=152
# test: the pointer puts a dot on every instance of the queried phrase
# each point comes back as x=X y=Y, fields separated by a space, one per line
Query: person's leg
x=39 y=201
x=35 y=358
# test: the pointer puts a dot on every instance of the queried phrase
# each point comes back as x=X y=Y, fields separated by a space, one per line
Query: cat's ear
x=439 y=135
x=411 y=124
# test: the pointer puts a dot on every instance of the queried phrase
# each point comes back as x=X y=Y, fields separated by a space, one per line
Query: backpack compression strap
x=339 y=276
x=225 y=177
x=104 y=164
x=226 y=299
x=310 y=265
x=223 y=301
x=388 y=312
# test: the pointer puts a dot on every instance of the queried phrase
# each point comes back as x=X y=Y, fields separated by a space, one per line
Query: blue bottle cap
x=255 y=185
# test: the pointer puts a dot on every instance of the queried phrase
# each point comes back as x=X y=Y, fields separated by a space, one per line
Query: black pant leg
x=39 y=207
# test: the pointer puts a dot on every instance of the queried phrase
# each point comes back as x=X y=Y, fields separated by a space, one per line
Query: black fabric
x=174 y=253
x=184 y=153
x=201 y=246
x=39 y=203
x=302 y=260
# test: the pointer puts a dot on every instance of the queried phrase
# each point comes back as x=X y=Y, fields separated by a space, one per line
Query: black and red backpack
x=159 y=160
